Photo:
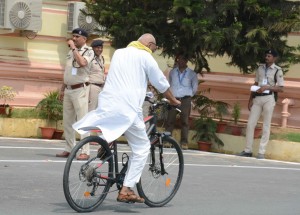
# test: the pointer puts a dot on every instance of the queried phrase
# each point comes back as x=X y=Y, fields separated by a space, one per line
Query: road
x=213 y=184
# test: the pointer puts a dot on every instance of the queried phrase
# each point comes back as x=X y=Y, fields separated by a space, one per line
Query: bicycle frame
x=151 y=132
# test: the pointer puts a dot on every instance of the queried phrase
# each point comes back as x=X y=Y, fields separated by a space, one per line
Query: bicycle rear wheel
x=86 y=183
x=160 y=181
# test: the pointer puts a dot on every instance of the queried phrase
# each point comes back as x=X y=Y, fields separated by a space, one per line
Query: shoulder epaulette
x=277 y=67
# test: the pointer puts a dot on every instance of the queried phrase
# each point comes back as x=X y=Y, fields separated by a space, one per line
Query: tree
x=240 y=29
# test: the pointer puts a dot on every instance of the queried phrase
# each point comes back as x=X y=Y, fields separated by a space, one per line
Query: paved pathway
x=213 y=184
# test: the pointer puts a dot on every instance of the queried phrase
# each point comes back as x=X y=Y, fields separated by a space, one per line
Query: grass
x=286 y=134
x=293 y=137
x=27 y=113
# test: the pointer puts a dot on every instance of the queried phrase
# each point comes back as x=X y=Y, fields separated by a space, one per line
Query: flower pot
x=57 y=135
x=236 y=130
x=257 y=132
x=221 y=127
x=5 y=110
x=47 y=133
x=204 y=146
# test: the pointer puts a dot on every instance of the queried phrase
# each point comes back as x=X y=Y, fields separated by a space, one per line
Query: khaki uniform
x=97 y=78
x=263 y=104
x=75 y=103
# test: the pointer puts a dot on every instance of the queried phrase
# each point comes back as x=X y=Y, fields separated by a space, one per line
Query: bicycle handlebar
x=162 y=102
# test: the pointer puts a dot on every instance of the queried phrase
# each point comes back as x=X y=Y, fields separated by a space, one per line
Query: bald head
x=149 y=41
x=147 y=38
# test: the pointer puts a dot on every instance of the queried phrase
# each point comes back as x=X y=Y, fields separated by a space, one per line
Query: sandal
x=130 y=197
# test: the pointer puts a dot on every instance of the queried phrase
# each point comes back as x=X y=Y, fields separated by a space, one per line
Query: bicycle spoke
x=159 y=188
x=86 y=183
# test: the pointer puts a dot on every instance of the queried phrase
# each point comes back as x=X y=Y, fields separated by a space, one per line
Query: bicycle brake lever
x=178 y=110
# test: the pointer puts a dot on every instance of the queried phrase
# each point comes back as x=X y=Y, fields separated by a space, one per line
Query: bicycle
x=87 y=183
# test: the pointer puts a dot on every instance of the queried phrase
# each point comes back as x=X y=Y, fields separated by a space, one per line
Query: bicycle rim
x=86 y=183
x=155 y=187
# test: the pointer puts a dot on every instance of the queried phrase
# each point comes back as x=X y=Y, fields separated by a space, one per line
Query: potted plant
x=236 y=114
x=7 y=93
x=51 y=108
x=257 y=131
x=221 y=110
x=204 y=125
x=205 y=135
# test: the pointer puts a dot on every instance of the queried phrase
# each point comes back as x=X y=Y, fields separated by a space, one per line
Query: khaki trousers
x=93 y=96
x=75 y=106
x=262 y=105
x=185 y=108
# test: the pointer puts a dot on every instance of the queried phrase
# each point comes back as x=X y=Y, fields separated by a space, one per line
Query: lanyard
x=98 y=62
x=266 y=72
x=74 y=62
x=266 y=75
x=181 y=77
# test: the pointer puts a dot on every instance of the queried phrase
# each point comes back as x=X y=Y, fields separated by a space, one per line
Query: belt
x=184 y=97
x=76 y=86
x=99 y=85
x=263 y=94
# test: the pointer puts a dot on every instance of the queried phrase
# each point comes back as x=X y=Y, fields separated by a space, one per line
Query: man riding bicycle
x=120 y=105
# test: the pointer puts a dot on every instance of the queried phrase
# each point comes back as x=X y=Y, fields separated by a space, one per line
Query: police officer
x=268 y=82
x=75 y=89
x=97 y=76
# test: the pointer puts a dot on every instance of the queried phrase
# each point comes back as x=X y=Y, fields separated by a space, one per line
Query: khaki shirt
x=74 y=75
x=97 y=70
x=268 y=74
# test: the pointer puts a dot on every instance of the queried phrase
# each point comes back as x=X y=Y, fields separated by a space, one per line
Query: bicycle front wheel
x=86 y=183
x=162 y=175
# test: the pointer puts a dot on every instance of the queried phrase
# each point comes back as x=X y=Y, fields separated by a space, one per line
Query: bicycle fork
x=159 y=138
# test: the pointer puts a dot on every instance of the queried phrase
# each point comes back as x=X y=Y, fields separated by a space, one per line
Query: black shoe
x=245 y=154
x=260 y=156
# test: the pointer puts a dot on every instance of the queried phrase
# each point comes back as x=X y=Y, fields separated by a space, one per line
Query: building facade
x=33 y=65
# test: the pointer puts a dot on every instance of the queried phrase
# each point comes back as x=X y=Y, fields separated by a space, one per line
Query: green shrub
x=26 y=113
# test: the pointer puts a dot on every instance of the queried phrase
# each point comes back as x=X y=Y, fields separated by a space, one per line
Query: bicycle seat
x=91 y=128
x=147 y=119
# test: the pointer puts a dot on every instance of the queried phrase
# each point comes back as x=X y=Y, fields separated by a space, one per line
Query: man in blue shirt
x=183 y=84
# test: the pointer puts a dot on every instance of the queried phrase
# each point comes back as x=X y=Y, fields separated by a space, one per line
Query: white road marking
x=193 y=165
x=187 y=152
x=246 y=167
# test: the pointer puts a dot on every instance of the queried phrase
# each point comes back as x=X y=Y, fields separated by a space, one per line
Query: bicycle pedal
x=127 y=202
x=125 y=159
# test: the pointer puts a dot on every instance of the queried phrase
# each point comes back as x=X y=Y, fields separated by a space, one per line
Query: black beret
x=96 y=43
x=272 y=52
x=80 y=31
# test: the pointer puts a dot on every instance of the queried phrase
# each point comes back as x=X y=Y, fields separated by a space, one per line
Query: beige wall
x=35 y=66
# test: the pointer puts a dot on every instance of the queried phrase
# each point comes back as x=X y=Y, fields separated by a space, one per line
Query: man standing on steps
x=98 y=75
x=75 y=89
x=268 y=82
x=184 y=85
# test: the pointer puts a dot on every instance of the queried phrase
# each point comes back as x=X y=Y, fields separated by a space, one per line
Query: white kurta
x=124 y=92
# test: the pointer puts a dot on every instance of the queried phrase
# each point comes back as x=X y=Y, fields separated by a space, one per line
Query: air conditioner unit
x=77 y=19
x=21 y=14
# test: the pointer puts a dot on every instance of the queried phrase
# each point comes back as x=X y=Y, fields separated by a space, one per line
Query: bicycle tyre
x=158 y=189
x=86 y=184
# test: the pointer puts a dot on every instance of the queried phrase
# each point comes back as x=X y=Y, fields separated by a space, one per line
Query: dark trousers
x=184 y=119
